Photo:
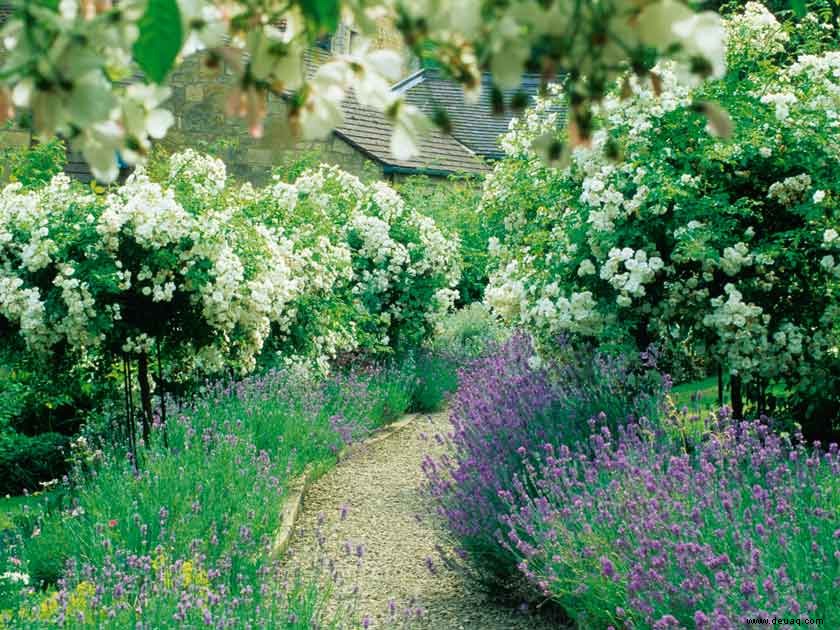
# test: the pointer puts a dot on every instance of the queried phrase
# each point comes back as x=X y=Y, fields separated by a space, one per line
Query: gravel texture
x=379 y=484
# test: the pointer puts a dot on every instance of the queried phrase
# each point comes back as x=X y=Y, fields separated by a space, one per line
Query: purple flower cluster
x=504 y=408
x=631 y=531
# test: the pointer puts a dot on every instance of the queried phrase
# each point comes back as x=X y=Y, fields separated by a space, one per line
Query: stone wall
x=199 y=102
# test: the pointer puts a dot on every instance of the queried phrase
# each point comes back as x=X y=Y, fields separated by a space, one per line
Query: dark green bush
x=437 y=377
x=26 y=460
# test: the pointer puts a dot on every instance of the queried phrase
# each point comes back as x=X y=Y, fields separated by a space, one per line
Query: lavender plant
x=626 y=532
x=156 y=590
x=183 y=533
x=509 y=403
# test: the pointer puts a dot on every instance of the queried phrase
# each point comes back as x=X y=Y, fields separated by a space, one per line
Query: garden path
x=380 y=486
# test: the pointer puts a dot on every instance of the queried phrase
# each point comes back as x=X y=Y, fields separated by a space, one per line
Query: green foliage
x=36 y=165
x=469 y=332
x=160 y=39
x=454 y=205
x=463 y=336
x=322 y=14
x=293 y=165
x=826 y=10
x=437 y=379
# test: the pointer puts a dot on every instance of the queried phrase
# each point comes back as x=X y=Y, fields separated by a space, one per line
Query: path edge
x=299 y=486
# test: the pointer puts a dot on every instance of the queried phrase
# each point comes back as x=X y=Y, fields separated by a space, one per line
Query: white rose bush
x=201 y=274
x=722 y=248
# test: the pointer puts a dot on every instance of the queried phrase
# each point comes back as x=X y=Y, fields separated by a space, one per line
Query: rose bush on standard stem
x=197 y=274
x=728 y=249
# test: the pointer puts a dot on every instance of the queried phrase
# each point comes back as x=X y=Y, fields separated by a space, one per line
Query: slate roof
x=475 y=125
x=369 y=132
x=476 y=128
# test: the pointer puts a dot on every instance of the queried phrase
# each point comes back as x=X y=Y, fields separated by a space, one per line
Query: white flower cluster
x=15 y=577
x=806 y=94
x=628 y=271
x=363 y=239
x=207 y=175
x=790 y=190
x=81 y=308
x=782 y=102
x=755 y=31
x=505 y=293
x=734 y=258
x=148 y=212
x=537 y=121
x=740 y=327
x=136 y=244
x=822 y=70
x=24 y=307
x=559 y=313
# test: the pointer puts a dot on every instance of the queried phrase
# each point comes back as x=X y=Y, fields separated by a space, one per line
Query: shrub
x=467 y=334
x=725 y=249
x=27 y=460
x=507 y=402
x=453 y=206
x=437 y=378
x=36 y=165
x=627 y=531
x=385 y=273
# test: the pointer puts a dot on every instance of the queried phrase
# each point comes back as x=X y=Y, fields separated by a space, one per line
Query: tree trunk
x=162 y=395
x=737 y=401
x=145 y=395
x=129 y=408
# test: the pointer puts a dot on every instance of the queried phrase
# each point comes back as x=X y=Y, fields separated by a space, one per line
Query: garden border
x=299 y=486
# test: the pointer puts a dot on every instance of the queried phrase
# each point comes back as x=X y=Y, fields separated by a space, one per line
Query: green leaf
x=160 y=40
x=324 y=14
x=799 y=8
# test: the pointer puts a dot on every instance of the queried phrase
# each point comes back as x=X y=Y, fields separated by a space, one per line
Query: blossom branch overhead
x=73 y=64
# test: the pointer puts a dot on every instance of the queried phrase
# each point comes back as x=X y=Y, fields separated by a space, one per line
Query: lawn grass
x=698 y=395
x=702 y=395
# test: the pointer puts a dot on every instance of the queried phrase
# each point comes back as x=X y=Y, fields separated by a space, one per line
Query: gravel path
x=379 y=485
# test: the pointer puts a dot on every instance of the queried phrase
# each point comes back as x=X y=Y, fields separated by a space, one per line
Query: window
x=324 y=43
